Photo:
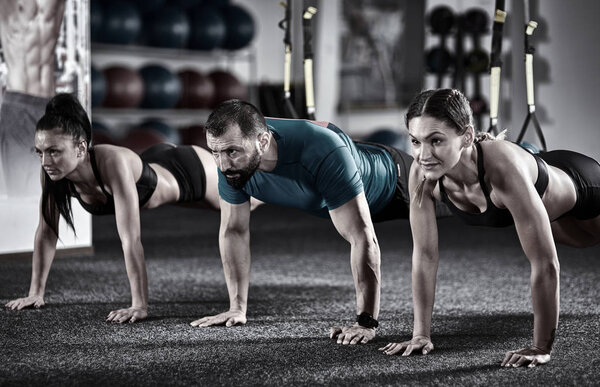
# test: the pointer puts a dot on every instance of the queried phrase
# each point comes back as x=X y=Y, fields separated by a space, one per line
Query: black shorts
x=585 y=173
x=399 y=205
x=185 y=165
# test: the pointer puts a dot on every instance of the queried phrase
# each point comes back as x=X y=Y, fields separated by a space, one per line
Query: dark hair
x=447 y=105
x=66 y=113
x=235 y=111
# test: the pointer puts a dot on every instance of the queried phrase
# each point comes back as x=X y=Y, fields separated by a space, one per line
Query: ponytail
x=56 y=200
x=485 y=136
x=66 y=113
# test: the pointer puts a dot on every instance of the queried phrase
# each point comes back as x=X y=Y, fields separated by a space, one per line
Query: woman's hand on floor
x=229 y=318
x=20 y=303
x=131 y=314
x=354 y=334
x=418 y=343
x=529 y=357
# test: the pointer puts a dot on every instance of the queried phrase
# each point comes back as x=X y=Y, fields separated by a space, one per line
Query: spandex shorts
x=185 y=165
x=585 y=173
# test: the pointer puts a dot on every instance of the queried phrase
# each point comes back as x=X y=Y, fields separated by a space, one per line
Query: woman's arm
x=44 y=249
x=514 y=187
x=127 y=214
x=424 y=265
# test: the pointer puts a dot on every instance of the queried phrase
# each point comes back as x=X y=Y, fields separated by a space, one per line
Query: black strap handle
x=309 y=12
x=496 y=64
x=285 y=24
x=530 y=26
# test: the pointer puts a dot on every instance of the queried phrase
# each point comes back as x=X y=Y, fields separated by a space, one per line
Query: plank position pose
x=109 y=179
x=550 y=197
x=315 y=167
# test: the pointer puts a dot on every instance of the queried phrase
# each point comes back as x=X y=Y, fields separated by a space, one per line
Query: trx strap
x=284 y=24
x=309 y=12
x=496 y=64
x=458 y=80
x=530 y=26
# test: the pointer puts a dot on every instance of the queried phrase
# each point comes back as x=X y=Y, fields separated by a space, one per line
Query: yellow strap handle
x=494 y=91
x=287 y=71
x=310 y=11
x=500 y=16
x=532 y=25
x=529 y=78
x=309 y=88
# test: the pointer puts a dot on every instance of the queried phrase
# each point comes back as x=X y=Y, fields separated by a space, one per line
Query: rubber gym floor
x=301 y=285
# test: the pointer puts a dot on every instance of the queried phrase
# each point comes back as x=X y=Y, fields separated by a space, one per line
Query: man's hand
x=131 y=315
x=20 y=303
x=230 y=318
x=417 y=343
x=530 y=357
x=354 y=334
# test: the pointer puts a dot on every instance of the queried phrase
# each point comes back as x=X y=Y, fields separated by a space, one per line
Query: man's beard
x=243 y=174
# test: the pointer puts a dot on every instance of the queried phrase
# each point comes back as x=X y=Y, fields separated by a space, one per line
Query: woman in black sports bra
x=551 y=197
x=109 y=179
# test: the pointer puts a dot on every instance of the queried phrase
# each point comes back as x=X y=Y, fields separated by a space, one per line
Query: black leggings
x=185 y=165
x=585 y=173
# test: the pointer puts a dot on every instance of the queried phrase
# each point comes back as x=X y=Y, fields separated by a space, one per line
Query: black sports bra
x=493 y=216
x=145 y=185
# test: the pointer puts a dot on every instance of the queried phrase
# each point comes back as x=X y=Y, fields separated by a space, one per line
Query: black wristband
x=366 y=320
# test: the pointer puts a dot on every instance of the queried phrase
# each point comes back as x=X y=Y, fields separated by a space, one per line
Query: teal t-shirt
x=318 y=169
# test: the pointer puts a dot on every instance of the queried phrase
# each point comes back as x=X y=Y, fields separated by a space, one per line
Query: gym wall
x=567 y=85
x=558 y=78
x=566 y=71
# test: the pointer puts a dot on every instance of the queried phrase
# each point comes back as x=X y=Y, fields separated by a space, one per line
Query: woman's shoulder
x=114 y=159
x=504 y=161
x=502 y=152
x=109 y=152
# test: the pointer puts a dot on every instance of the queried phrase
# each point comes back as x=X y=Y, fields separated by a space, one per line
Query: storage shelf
x=171 y=53
x=134 y=116
x=104 y=54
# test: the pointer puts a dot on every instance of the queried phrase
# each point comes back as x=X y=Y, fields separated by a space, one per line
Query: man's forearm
x=235 y=255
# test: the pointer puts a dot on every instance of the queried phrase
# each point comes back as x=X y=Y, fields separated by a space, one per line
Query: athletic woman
x=108 y=179
x=550 y=197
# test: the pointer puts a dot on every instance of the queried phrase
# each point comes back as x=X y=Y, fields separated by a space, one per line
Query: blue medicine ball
x=96 y=20
x=167 y=27
x=240 y=27
x=148 y=5
x=170 y=134
x=162 y=88
x=98 y=87
x=529 y=147
x=208 y=28
x=188 y=3
x=102 y=134
x=121 y=23
x=390 y=137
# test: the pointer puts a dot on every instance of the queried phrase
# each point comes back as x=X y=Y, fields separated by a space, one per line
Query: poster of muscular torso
x=42 y=53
